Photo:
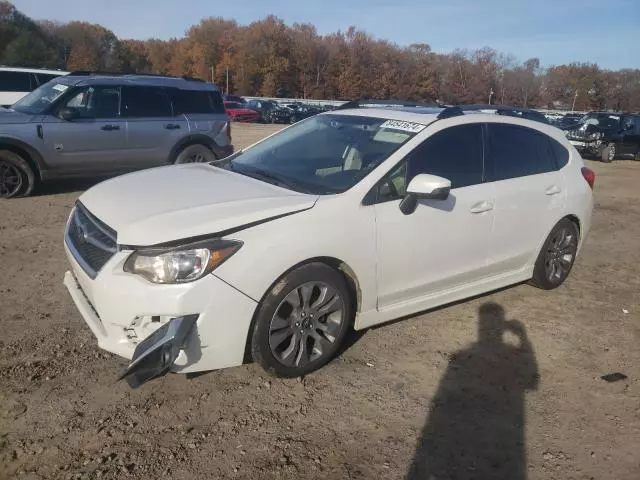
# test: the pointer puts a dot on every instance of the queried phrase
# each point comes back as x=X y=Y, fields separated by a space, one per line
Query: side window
x=197 y=101
x=560 y=153
x=96 y=102
x=454 y=153
x=146 y=102
x=514 y=151
x=16 y=82
x=45 y=77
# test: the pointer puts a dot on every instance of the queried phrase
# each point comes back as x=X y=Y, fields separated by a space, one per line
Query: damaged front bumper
x=584 y=145
x=154 y=356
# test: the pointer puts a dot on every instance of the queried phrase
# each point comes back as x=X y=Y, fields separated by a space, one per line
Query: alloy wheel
x=560 y=255
x=10 y=180
x=306 y=324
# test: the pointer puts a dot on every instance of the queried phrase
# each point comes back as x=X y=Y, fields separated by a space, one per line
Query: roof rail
x=87 y=73
x=364 y=102
x=446 y=112
x=450 y=111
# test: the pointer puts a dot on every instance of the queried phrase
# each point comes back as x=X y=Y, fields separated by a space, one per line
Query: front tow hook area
x=154 y=356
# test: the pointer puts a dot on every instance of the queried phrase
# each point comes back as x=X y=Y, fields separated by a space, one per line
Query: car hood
x=8 y=116
x=178 y=202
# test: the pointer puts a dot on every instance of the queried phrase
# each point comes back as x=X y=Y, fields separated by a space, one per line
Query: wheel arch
x=28 y=153
x=335 y=263
x=192 y=139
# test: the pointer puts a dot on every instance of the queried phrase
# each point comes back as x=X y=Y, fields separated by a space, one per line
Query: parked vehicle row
x=270 y=111
x=85 y=124
x=606 y=135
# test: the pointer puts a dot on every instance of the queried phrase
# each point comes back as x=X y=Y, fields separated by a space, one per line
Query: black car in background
x=568 y=120
x=300 y=111
x=234 y=98
x=270 y=111
x=606 y=135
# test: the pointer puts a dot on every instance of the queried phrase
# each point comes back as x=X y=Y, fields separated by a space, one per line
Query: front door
x=443 y=243
x=94 y=140
x=153 y=129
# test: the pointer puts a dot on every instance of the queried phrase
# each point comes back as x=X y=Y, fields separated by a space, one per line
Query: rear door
x=94 y=142
x=528 y=190
x=152 y=127
x=205 y=112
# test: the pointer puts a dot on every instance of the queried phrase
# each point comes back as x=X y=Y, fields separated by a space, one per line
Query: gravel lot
x=423 y=390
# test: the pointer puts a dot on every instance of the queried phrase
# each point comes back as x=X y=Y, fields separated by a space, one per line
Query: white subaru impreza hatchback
x=342 y=221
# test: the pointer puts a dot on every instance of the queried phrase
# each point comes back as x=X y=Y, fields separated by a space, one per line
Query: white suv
x=15 y=83
x=345 y=220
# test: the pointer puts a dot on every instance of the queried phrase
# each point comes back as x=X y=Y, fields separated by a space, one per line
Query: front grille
x=91 y=242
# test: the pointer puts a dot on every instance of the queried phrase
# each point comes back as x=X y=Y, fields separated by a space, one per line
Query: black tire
x=194 y=153
x=17 y=178
x=276 y=340
x=553 y=264
x=636 y=157
x=608 y=153
x=293 y=119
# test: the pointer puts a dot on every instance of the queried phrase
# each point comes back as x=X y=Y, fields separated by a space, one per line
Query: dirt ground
x=502 y=386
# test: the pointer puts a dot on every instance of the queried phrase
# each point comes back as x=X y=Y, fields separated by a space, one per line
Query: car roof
x=426 y=116
x=405 y=114
x=33 y=70
x=133 y=79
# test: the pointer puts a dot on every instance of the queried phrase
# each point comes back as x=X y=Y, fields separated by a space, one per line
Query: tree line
x=270 y=58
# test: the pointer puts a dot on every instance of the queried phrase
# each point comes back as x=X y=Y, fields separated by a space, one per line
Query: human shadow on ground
x=476 y=420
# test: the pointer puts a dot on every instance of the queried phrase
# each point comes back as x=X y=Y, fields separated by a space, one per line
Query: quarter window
x=560 y=153
x=514 y=151
x=146 y=102
x=197 y=101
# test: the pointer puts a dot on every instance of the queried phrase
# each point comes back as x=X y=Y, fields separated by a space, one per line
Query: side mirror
x=67 y=114
x=424 y=186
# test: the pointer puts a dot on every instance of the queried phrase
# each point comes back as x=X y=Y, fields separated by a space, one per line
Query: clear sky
x=556 y=31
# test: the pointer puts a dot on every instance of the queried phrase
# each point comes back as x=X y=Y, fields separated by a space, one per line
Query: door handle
x=481 y=207
x=109 y=128
x=552 y=190
x=172 y=126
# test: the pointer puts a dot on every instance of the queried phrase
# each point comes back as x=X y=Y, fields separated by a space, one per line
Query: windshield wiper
x=268 y=177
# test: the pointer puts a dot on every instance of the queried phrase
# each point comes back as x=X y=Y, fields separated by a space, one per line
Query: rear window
x=514 y=151
x=16 y=82
x=146 y=102
x=45 y=77
x=197 y=101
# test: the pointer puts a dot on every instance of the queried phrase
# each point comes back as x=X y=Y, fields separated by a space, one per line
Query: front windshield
x=235 y=105
x=601 y=120
x=41 y=98
x=324 y=154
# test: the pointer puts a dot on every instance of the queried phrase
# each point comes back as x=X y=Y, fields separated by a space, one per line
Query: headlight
x=181 y=264
x=596 y=135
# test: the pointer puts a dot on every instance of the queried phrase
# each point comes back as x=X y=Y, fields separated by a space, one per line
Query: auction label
x=404 y=126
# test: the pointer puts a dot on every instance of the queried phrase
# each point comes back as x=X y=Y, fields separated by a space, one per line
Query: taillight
x=229 y=130
x=589 y=175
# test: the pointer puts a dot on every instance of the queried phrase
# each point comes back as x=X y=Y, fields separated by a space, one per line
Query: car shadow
x=476 y=420
x=55 y=187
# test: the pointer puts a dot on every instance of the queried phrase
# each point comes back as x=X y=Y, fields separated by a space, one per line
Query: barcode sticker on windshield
x=404 y=126
x=59 y=87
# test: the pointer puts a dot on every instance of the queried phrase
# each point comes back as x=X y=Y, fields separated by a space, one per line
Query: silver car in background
x=94 y=124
